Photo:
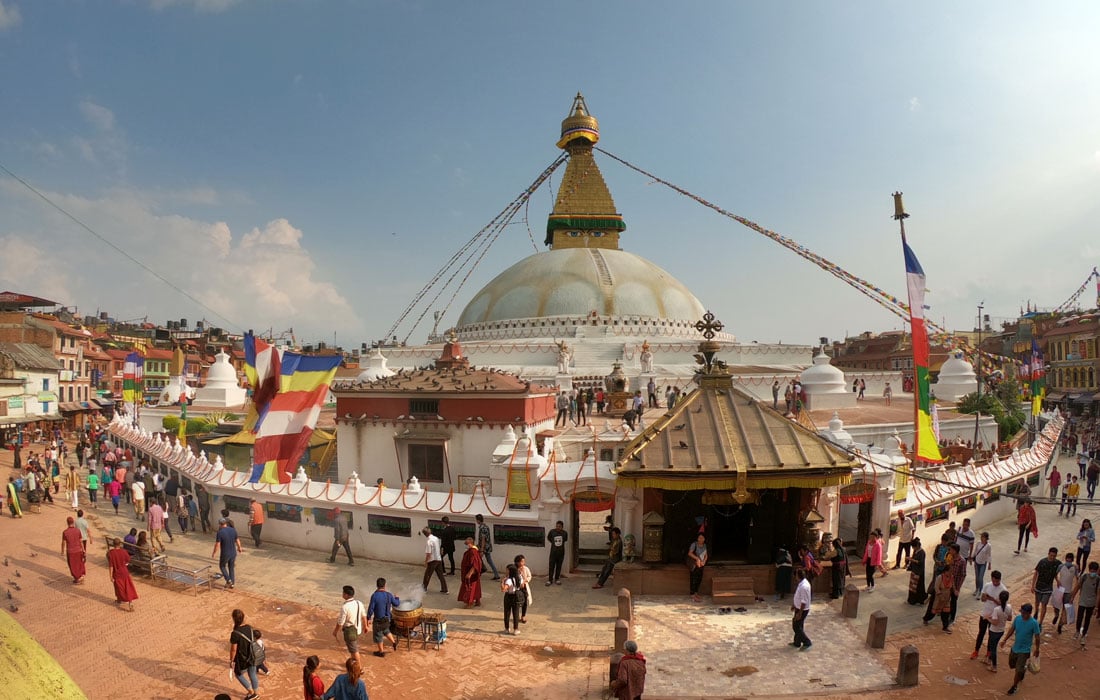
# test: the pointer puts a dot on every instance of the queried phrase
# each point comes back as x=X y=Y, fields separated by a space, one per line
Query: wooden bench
x=733 y=590
x=142 y=559
x=188 y=576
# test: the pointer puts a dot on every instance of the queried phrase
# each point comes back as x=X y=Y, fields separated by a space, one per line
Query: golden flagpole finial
x=899 y=208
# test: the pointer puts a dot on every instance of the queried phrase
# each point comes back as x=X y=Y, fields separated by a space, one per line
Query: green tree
x=1003 y=403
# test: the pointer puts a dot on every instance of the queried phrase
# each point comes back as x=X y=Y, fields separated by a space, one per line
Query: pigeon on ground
x=680 y=427
x=13 y=607
x=683 y=445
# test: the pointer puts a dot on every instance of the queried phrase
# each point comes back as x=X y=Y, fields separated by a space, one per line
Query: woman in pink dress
x=118 y=559
x=73 y=549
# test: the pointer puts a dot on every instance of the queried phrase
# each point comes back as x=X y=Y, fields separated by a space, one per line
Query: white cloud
x=97 y=115
x=914 y=104
x=107 y=144
x=265 y=278
x=210 y=6
x=9 y=16
x=27 y=267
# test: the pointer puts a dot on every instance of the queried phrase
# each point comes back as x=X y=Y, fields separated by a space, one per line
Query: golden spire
x=584 y=214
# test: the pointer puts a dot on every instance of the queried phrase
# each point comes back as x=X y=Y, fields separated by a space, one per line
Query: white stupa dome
x=221 y=373
x=376 y=367
x=822 y=377
x=956 y=379
x=575 y=282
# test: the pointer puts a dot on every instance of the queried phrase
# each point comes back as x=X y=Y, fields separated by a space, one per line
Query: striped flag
x=925 y=447
x=131 y=379
x=283 y=433
x=1037 y=378
x=261 y=366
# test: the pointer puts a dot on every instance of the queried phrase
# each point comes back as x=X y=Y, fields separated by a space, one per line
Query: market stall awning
x=1055 y=396
x=1087 y=397
x=69 y=407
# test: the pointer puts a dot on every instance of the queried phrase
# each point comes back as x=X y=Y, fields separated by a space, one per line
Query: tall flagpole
x=925 y=445
x=900 y=216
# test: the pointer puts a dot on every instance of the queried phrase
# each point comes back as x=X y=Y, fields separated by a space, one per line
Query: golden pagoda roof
x=719 y=437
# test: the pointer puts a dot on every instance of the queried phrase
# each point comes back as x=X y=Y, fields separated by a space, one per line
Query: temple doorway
x=593 y=515
x=736 y=533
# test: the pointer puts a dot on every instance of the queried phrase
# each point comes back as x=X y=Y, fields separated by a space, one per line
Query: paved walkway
x=1054 y=531
x=705 y=653
x=174 y=645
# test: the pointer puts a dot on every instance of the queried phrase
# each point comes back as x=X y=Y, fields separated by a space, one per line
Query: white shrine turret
x=222 y=389
x=375 y=368
x=176 y=387
x=825 y=385
x=956 y=380
x=836 y=432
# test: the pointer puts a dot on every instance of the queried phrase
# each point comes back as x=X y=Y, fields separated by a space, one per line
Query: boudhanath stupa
x=566 y=315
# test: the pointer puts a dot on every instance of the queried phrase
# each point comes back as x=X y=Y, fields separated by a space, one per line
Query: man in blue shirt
x=1028 y=633
x=379 y=613
x=230 y=544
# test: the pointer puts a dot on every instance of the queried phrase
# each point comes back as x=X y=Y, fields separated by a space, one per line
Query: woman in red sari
x=118 y=559
x=73 y=549
x=470 y=590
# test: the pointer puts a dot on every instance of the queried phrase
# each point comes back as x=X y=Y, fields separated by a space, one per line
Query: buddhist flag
x=1038 y=378
x=283 y=433
x=925 y=447
x=261 y=366
x=132 y=371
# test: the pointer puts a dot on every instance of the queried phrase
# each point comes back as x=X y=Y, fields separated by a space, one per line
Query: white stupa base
x=845 y=399
x=218 y=397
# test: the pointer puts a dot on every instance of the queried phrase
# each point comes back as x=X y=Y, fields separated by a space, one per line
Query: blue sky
x=311 y=164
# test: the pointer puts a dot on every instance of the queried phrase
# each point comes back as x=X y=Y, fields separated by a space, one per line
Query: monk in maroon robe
x=118 y=559
x=470 y=590
x=73 y=548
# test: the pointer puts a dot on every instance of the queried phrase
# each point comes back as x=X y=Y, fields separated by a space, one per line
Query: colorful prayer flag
x=132 y=380
x=261 y=366
x=925 y=447
x=1037 y=378
x=284 y=431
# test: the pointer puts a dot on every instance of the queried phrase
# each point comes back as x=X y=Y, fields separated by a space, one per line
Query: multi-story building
x=70 y=345
x=157 y=371
x=118 y=364
x=1073 y=355
x=891 y=351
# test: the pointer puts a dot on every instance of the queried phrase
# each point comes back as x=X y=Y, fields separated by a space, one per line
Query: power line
x=115 y=247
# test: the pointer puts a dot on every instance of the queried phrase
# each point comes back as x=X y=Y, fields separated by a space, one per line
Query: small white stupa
x=956 y=380
x=222 y=389
x=836 y=432
x=375 y=368
x=825 y=385
x=172 y=391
